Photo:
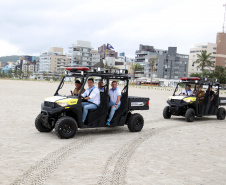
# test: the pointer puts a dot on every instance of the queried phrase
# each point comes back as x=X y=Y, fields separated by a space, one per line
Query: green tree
x=10 y=73
x=4 y=74
x=20 y=73
x=207 y=74
x=44 y=74
x=196 y=75
x=220 y=74
x=135 y=67
x=54 y=78
x=29 y=73
x=203 y=61
x=152 y=62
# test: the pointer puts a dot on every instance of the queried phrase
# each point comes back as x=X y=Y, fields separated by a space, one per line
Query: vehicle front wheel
x=39 y=125
x=190 y=115
x=66 y=127
x=166 y=112
x=135 y=123
x=221 y=113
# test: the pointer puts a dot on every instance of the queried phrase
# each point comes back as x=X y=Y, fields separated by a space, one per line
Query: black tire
x=166 y=112
x=221 y=113
x=135 y=123
x=190 y=115
x=66 y=127
x=39 y=125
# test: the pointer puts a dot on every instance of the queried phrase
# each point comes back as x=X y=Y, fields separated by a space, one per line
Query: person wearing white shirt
x=187 y=91
x=92 y=95
x=115 y=96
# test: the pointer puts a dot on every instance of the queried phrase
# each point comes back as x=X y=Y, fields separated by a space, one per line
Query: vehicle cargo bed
x=138 y=103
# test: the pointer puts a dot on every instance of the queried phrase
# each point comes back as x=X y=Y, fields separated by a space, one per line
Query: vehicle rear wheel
x=190 y=115
x=39 y=125
x=221 y=113
x=166 y=112
x=135 y=123
x=66 y=127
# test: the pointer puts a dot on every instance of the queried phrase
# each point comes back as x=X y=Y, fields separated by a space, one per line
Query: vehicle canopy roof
x=196 y=80
x=96 y=71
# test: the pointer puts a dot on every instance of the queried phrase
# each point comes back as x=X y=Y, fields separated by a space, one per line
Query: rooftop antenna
x=224 y=16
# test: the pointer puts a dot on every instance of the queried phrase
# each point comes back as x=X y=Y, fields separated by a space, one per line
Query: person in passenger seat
x=115 y=96
x=101 y=86
x=211 y=93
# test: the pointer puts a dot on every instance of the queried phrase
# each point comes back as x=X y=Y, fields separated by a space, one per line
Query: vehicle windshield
x=185 y=89
x=68 y=87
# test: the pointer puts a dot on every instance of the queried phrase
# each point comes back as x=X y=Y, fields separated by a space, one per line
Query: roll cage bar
x=104 y=74
x=199 y=83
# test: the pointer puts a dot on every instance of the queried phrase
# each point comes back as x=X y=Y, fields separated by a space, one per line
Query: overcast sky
x=28 y=27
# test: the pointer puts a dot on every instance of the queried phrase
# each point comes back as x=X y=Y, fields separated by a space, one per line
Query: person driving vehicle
x=92 y=97
x=78 y=87
x=187 y=91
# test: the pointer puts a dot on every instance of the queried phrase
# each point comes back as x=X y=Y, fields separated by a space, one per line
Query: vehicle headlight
x=170 y=98
x=62 y=104
x=187 y=100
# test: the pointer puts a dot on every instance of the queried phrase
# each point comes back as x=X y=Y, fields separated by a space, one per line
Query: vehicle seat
x=103 y=99
x=205 y=104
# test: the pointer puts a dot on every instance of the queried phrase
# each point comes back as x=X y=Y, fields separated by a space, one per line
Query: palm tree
x=203 y=61
x=135 y=67
x=152 y=62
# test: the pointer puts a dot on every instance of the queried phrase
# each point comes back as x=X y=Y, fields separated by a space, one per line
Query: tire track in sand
x=115 y=168
x=38 y=173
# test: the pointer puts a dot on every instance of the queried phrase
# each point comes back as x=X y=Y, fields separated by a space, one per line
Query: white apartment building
x=95 y=56
x=53 y=61
x=198 y=48
x=80 y=54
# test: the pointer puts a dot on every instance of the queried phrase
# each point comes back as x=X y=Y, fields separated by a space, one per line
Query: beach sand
x=164 y=152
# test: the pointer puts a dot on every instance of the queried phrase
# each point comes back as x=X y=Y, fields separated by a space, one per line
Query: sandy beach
x=167 y=152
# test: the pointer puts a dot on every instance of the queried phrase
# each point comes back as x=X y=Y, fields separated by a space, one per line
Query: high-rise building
x=104 y=52
x=198 y=48
x=95 y=56
x=221 y=50
x=169 y=63
x=80 y=54
x=26 y=64
x=9 y=68
x=123 y=58
x=53 y=61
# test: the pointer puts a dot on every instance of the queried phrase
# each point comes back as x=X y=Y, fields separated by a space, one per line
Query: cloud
x=8 y=49
x=35 y=26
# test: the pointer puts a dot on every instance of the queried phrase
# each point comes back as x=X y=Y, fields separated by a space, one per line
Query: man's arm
x=93 y=94
x=118 y=99
x=84 y=94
